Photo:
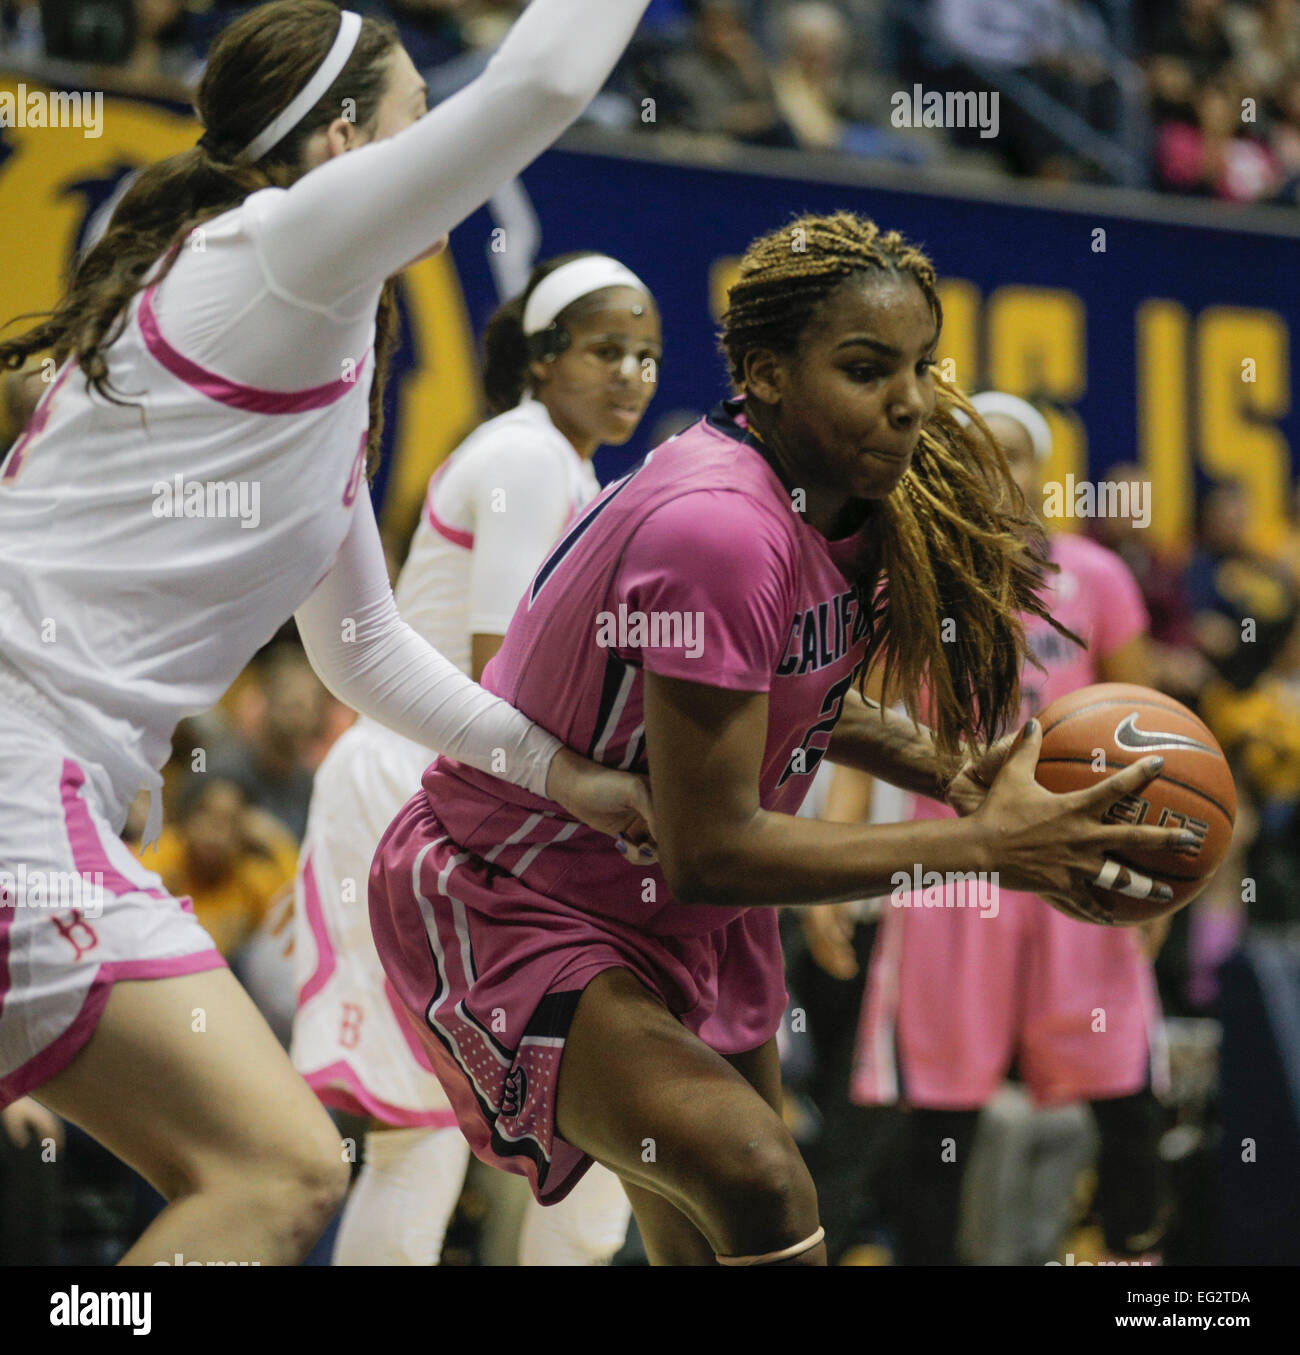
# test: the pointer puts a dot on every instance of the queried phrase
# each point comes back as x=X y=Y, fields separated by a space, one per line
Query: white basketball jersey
x=148 y=550
x=493 y=510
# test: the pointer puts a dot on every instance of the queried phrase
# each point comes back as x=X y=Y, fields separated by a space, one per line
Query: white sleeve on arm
x=521 y=503
x=371 y=659
x=363 y=216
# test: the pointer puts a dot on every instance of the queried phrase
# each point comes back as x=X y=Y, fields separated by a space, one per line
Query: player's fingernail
x=1164 y=893
x=1031 y=728
x=1155 y=763
x=621 y=845
x=1187 y=839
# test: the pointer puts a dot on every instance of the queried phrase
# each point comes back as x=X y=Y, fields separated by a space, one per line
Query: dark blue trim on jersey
x=570 y=539
x=611 y=685
x=722 y=418
x=640 y=764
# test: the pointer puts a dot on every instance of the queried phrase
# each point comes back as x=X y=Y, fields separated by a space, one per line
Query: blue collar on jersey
x=723 y=416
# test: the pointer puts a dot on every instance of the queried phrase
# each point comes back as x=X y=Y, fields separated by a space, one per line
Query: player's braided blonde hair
x=956 y=542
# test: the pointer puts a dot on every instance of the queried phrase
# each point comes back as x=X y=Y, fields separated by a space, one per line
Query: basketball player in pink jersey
x=569 y=364
x=704 y=620
x=193 y=478
x=960 y=987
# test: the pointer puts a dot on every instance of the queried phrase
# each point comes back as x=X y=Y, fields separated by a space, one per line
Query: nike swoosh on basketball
x=1135 y=740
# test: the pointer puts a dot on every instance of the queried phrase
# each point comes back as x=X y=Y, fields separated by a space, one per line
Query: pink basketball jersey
x=694 y=566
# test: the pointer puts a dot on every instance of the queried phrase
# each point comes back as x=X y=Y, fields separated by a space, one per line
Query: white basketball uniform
x=149 y=549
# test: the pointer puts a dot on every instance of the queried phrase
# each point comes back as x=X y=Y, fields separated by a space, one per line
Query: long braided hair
x=955 y=540
x=254 y=69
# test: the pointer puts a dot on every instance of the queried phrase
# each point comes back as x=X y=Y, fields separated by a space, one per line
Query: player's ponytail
x=956 y=557
x=505 y=357
x=256 y=65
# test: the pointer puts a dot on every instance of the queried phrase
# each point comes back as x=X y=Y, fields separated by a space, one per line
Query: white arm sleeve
x=521 y=503
x=363 y=216
x=371 y=659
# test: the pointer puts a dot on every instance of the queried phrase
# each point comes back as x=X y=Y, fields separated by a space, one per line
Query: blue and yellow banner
x=1155 y=338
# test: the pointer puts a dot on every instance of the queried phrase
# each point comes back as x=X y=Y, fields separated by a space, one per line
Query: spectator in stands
x=1244 y=605
x=1187 y=44
x=1074 y=65
x=161 y=45
x=809 y=82
x=485 y=22
x=1060 y=47
x=720 y=83
x=273 y=766
x=20 y=28
x=1213 y=156
x=230 y=859
x=828 y=102
x=1265 y=40
x=1178 y=667
x=1284 y=137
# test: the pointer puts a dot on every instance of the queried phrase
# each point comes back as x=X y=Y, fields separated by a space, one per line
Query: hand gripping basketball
x=1057 y=846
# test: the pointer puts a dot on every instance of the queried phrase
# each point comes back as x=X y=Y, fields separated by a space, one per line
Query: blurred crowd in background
x=1196 y=97
x=1148 y=94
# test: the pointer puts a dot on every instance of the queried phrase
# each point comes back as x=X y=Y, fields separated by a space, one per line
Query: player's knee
x=763 y=1191
x=302 y=1187
x=296 y=1178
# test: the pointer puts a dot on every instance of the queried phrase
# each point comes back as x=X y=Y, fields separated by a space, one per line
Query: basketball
x=1102 y=729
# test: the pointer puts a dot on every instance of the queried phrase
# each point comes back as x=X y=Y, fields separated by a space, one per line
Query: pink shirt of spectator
x=1246 y=174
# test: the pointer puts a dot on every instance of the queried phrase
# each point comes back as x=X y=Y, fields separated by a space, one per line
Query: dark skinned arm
x=881 y=742
x=717 y=845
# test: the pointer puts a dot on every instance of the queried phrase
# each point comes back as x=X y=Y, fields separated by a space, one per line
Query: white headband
x=1013 y=407
x=572 y=281
x=345 y=40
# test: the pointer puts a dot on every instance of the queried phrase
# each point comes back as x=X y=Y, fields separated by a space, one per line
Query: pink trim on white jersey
x=60 y=1052
x=326 y=960
x=88 y=854
x=235 y=393
x=355 y=1099
x=165 y=967
x=357 y=474
x=456 y=535
x=35 y=426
